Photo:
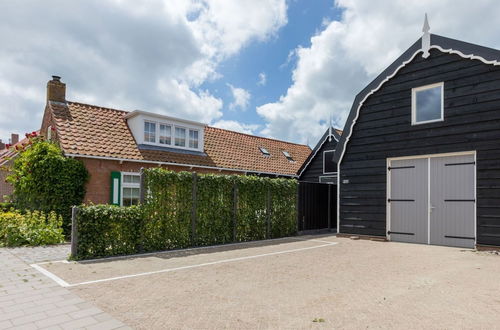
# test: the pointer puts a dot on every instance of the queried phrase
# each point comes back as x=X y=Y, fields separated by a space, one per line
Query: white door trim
x=428 y=156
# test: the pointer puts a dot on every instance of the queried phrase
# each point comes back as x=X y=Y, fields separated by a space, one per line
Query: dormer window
x=427 y=104
x=264 y=151
x=193 y=138
x=165 y=134
x=149 y=132
x=180 y=137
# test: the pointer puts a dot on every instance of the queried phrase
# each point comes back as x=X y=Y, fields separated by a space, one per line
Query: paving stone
x=80 y=323
x=28 y=318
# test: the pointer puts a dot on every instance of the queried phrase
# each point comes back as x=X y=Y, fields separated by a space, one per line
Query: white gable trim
x=314 y=155
x=449 y=51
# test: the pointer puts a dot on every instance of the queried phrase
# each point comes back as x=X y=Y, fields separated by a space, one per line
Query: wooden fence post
x=235 y=211
x=74 y=231
x=268 y=215
x=193 y=208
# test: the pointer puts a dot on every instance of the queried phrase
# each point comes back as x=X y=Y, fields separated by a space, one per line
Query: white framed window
x=149 y=132
x=264 y=151
x=329 y=166
x=180 y=137
x=427 y=104
x=131 y=189
x=193 y=138
x=287 y=155
x=165 y=134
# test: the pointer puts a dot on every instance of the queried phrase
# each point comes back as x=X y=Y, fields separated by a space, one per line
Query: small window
x=287 y=155
x=329 y=165
x=165 y=134
x=131 y=189
x=264 y=151
x=49 y=133
x=193 y=139
x=427 y=104
x=180 y=137
x=149 y=132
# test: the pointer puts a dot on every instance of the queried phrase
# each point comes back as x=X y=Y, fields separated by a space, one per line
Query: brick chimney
x=56 y=90
x=14 y=138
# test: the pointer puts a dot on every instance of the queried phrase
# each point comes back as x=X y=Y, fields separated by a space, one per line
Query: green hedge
x=226 y=208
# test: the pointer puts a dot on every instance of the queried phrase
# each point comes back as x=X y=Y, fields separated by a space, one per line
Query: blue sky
x=201 y=59
x=305 y=18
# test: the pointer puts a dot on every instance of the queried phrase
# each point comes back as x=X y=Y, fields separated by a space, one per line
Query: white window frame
x=172 y=137
x=128 y=184
x=144 y=131
x=414 y=103
x=324 y=152
x=188 y=138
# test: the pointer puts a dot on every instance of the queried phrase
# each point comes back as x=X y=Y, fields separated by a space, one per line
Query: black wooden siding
x=384 y=130
x=315 y=168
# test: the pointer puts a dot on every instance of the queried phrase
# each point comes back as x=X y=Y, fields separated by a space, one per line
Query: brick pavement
x=29 y=300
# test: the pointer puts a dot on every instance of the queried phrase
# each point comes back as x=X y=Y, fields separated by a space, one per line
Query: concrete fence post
x=74 y=231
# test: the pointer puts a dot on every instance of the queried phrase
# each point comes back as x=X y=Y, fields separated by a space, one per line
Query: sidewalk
x=29 y=300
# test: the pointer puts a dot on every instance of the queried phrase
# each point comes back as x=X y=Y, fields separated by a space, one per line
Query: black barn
x=419 y=158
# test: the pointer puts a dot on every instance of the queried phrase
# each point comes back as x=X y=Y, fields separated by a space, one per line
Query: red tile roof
x=8 y=153
x=90 y=130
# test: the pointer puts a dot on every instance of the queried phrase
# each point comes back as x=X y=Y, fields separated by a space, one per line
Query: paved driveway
x=30 y=300
x=302 y=283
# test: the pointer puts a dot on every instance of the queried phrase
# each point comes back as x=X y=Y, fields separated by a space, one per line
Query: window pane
x=128 y=178
x=428 y=104
x=131 y=196
x=193 y=139
x=180 y=137
x=165 y=134
x=149 y=132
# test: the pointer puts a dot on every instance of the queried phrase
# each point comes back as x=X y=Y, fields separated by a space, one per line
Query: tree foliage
x=45 y=180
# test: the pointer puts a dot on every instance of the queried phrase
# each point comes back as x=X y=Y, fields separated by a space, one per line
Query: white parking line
x=63 y=283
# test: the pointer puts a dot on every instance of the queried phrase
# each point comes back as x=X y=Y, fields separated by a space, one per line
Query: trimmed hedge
x=182 y=209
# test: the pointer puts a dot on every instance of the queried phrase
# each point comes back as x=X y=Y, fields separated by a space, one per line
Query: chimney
x=56 y=90
x=14 y=138
x=2 y=145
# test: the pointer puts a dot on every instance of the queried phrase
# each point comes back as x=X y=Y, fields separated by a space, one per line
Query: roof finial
x=330 y=129
x=426 y=38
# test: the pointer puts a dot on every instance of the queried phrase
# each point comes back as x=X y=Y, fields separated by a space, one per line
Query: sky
x=272 y=68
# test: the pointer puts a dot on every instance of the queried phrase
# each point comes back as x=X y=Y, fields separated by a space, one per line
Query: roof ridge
x=97 y=106
x=259 y=137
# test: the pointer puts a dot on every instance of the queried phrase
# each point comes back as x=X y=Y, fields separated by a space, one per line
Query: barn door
x=408 y=200
x=452 y=201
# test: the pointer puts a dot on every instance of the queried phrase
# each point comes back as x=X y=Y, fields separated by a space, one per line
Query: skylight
x=287 y=155
x=264 y=151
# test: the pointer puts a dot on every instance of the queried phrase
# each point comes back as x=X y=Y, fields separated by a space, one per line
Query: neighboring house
x=114 y=145
x=319 y=166
x=7 y=155
x=419 y=159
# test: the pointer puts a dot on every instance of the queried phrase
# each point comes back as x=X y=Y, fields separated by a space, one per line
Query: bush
x=32 y=228
x=45 y=180
x=6 y=206
x=263 y=208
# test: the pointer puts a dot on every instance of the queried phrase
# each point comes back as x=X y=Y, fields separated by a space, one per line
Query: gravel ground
x=351 y=285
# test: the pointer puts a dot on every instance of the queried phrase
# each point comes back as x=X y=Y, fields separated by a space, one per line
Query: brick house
x=115 y=144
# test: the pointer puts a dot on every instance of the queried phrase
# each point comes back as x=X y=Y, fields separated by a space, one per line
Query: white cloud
x=241 y=98
x=236 y=126
x=347 y=54
x=151 y=55
x=262 y=79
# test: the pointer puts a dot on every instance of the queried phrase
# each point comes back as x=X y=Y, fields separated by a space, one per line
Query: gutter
x=121 y=160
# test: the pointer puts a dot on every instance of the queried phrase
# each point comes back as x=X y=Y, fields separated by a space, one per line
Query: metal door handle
x=432 y=208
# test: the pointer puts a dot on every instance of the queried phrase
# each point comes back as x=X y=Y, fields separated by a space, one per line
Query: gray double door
x=432 y=200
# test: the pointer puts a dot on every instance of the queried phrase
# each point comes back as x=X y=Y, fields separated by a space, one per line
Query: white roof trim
x=315 y=152
x=156 y=115
x=178 y=164
x=449 y=51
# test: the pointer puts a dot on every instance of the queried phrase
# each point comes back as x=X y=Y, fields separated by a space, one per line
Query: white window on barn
x=131 y=188
x=165 y=134
x=149 y=132
x=193 y=139
x=180 y=137
x=427 y=104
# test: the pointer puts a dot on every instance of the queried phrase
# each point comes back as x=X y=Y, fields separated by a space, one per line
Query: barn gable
x=379 y=128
